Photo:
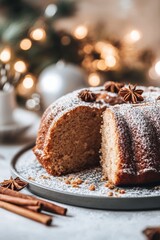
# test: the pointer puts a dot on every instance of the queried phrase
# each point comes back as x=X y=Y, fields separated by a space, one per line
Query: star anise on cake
x=87 y=96
x=131 y=94
x=14 y=184
x=113 y=87
x=152 y=233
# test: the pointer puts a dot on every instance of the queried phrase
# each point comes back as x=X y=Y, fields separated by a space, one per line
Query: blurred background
x=49 y=48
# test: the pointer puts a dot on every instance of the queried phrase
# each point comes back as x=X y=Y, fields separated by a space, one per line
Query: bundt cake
x=69 y=138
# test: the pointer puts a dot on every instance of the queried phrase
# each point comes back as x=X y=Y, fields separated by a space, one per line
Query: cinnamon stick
x=39 y=217
x=18 y=201
x=37 y=208
x=47 y=206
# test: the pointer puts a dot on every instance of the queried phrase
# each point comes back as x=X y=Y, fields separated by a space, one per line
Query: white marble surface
x=80 y=223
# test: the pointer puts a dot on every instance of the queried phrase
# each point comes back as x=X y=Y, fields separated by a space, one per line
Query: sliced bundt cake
x=69 y=137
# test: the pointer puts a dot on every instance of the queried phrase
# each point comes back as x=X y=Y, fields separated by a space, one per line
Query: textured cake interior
x=110 y=151
x=76 y=141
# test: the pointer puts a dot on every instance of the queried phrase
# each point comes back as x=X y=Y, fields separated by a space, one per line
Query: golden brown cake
x=69 y=138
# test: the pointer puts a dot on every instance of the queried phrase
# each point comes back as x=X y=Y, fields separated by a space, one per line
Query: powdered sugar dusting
x=142 y=138
x=30 y=169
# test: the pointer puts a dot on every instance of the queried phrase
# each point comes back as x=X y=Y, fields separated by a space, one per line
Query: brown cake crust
x=56 y=120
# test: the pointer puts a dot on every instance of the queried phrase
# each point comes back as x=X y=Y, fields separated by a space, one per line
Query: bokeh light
x=157 y=68
x=110 y=61
x=28 y=81
x=94 y=79
x=51 y=10
x=20 y=66
x=38 y=34
x=25 y=44
x=133 y=36
x=5 y=55
x=80 y=32
x=101 y=65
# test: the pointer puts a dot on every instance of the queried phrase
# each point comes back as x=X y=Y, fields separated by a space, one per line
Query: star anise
x=131 y=94
x=113 y=87
x=152 y=233
x=87 y=96
x=15 y=184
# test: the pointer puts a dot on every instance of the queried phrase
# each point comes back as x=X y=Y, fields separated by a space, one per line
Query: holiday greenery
x=28 y=33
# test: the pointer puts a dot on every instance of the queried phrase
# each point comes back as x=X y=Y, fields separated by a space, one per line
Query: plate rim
x=18 y=124
x=33 y=185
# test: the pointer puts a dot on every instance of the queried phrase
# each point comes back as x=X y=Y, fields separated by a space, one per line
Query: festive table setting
x=79 y=120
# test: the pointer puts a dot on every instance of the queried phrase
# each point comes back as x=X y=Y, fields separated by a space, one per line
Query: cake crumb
x=103 y=178
x=110 y=194
x=106 y=184
x=92 y=187
x=67 y=181
x=122 y=191
x=77 y=181
x=31 y=179
x=45 y=177
x=75 y=186
x=109 y=185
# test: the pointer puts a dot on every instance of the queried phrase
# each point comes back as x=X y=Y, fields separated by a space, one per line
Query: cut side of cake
x=131 y=144
x=69 y=137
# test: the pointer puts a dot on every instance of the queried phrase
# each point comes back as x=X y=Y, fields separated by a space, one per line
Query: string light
x=108 y=49
x=157 y=68
x=25 y=44
x=38 y=34
x=154 y=71
x=101 y=65
x=28 y=81
x=94 y=79
x=20 y=66
x=133 y=36
x=99 y=46
x=80 y=32
x=88 y=48
x=94 y=64
x=51 y=10
x=110 y=61
x=5 y=55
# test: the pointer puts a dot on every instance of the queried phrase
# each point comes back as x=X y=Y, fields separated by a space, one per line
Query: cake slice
x=131 y=144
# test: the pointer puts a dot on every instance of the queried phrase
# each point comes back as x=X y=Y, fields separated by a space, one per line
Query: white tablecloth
x=80 y=223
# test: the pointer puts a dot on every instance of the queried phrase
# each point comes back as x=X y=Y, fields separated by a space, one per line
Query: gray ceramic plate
x=25 y=166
